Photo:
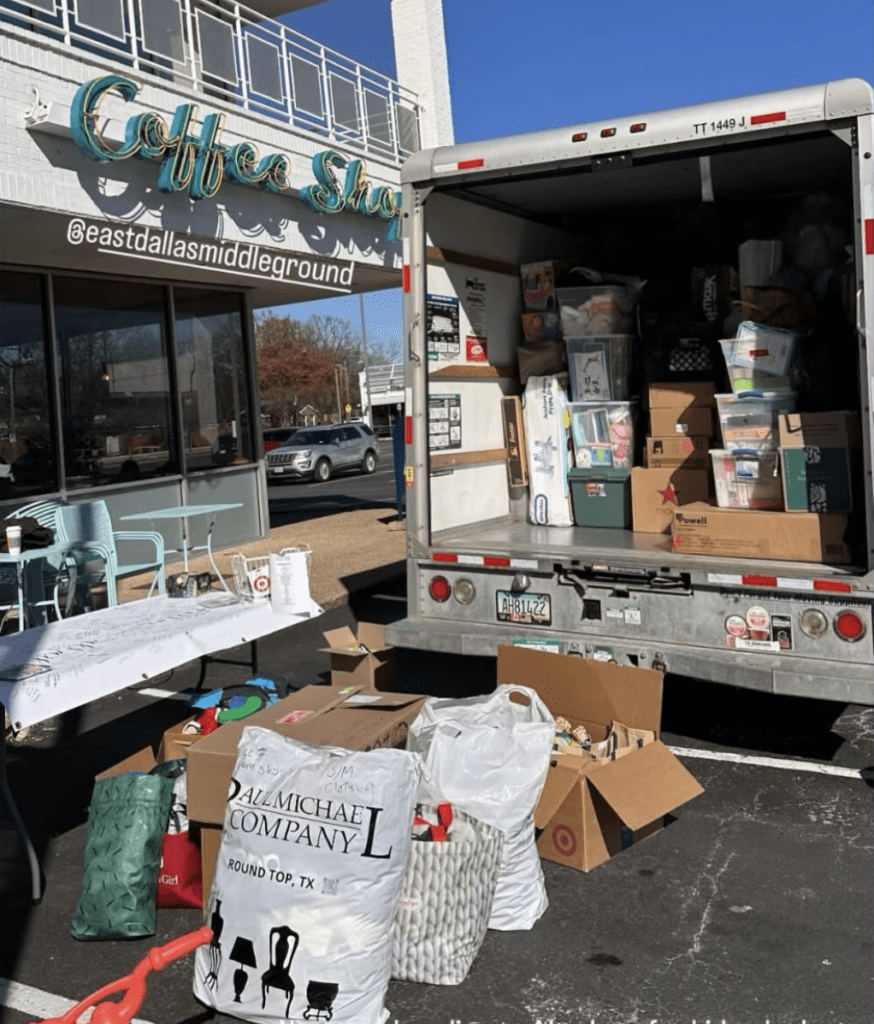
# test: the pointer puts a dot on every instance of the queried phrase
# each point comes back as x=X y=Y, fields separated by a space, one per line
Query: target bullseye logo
x=261 y=584
x=564 y=840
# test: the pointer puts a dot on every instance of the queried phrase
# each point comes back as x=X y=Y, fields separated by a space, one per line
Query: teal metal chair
x=44 y=580
x=86 y=530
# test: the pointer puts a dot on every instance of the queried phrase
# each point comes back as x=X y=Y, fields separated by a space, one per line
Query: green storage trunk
x=601 y=497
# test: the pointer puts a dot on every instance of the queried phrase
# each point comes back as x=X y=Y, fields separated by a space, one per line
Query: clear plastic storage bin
x=759 y=357
x=750 y=420
x=603 y=434
x=597 y=309
x=599 y=367
x=748 y=479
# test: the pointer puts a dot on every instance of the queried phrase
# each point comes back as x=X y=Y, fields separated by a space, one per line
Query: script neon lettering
x=198 y=164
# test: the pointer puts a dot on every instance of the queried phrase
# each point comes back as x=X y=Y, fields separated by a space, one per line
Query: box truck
x=723 y=223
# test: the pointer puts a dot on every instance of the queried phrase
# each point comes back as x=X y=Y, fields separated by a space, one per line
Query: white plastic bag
x=488 y=756
x=313 y=853
x=446 y=901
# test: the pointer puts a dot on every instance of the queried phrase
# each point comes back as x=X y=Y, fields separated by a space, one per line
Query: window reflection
x=115 y=382
x=28 y=464
x=212 y=378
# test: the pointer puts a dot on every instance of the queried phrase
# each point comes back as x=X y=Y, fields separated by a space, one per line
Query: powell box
x=589 y=810
x=701 y=529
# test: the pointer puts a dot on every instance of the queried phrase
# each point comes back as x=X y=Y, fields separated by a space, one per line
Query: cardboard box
x=702 y=529
x=210 y=841
x=361 y=659
x=682 y=395
x=320 y=715
x=514 y=441
x=539 y=281
x=588 y=812
x=815 y=461
x=692 y=421
x=677 y=452
x=655 y=493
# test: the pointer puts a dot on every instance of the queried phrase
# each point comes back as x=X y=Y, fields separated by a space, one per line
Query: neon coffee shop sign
x=199 y=163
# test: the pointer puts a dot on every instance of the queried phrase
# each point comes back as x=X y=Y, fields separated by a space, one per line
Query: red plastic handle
x=133 y=984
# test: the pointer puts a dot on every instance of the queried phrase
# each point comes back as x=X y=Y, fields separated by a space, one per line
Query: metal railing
x=227 y=51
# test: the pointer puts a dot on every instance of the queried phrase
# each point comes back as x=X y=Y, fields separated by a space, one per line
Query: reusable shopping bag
x=488 y=756
x=127 y=820
x=180 y=880
x=309 y=872
x=447 y=896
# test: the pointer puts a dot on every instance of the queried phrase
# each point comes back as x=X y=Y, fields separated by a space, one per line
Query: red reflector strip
x=408 y=430
x=495 y=560
x=444 y=556
x=779 y=115
x=833 y=586
x=466 y=165
x=869 y=237
x=406 y=278
x=759 y=581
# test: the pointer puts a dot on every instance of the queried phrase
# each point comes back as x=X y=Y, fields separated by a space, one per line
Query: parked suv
x=316 y=453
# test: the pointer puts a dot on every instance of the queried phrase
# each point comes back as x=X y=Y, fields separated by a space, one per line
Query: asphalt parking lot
x=753 y=905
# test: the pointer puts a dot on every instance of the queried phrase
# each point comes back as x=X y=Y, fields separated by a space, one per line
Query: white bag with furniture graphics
x=315 y=844
x=488 y=756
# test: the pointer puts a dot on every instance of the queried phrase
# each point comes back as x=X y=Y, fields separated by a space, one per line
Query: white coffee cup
x=13 y=540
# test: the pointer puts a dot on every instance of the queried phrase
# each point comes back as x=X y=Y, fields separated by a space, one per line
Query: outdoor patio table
x=184 y=513
x=61 y=666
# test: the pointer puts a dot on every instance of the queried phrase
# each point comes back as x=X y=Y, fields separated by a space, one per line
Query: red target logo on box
x=564 y=840
x=261 y=583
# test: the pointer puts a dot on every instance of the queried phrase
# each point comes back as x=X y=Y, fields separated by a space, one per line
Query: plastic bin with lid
x=603 y=433
x=597 y=309
x=750 y=420
x=759 y=357
x=747 y=479
x=600 y=367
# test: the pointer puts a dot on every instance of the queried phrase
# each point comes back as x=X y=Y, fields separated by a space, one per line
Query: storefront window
x=115 y=381
x=28 y=464
x=212 y=378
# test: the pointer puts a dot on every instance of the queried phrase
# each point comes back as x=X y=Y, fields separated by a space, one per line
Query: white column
x=420 y=56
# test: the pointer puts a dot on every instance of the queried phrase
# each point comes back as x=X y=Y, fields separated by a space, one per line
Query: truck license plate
x=527 y=609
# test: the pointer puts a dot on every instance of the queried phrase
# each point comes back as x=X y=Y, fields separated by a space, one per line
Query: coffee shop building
x=169 y=167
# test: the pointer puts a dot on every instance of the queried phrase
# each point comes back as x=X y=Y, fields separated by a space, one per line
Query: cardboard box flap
x=372 y=635
x=341 y=640
x=560 y=780
x=582 y=689
x=820 y=429
x=142 y=761
x=646 y=785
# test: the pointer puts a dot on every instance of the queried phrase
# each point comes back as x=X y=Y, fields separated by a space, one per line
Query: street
x=752 y=906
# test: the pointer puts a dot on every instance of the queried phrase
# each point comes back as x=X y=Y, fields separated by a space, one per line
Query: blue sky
x=523 y=65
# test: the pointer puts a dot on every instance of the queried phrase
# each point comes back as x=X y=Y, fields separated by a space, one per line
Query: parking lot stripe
x=38 y=1005
x=769 y=762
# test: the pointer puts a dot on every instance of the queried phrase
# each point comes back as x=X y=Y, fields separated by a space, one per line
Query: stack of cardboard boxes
x=676 y=468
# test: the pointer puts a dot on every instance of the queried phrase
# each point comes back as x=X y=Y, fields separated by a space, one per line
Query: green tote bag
x=126 y=825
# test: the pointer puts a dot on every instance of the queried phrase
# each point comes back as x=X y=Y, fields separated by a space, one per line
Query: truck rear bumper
x=771 y=673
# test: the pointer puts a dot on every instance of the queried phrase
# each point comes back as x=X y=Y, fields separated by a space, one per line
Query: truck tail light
x=813 y=622
x=849 y=626
x=439 y=588
x=464 y=591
